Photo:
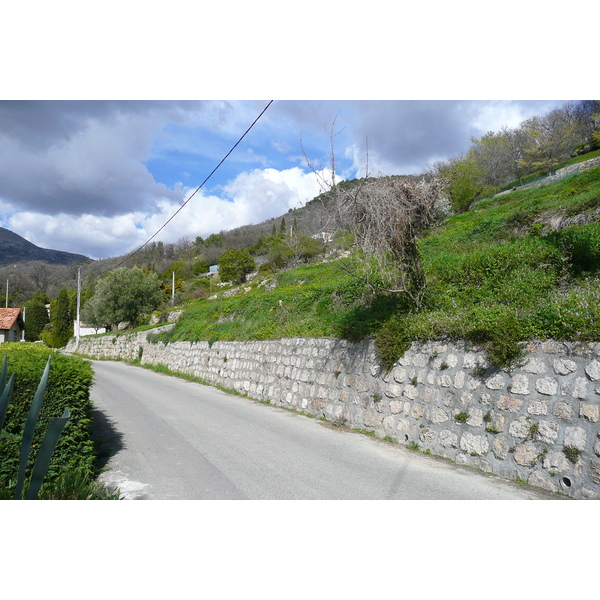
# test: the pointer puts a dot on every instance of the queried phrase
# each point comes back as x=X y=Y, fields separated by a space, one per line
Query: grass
x=497 y=275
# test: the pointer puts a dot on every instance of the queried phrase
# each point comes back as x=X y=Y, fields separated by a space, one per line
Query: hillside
x=517 y=267
x=14 y=249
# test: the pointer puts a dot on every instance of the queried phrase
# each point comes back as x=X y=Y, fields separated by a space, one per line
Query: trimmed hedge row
x=69 y=386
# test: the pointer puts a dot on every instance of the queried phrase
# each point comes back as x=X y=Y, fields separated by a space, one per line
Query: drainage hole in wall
x=566 y=481
x=406 y=438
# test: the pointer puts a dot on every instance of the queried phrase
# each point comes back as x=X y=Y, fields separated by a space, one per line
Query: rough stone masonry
x=538 y=423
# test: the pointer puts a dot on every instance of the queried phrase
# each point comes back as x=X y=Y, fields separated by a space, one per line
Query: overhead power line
x=196 y=190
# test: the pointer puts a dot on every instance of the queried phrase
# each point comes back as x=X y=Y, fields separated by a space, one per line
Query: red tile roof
x=8 y=316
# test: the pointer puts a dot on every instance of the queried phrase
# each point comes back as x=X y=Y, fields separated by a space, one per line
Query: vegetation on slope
x=520 y=266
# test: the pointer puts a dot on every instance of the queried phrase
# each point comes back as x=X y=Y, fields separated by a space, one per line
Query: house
x=325 y=235
x=12 y=325
x=86 y=329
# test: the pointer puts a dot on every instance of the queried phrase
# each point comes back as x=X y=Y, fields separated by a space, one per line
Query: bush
x=391 y=342
x=68 y=387
x=581 y=245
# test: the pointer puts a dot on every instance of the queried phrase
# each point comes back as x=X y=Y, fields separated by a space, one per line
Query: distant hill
x=14 y=248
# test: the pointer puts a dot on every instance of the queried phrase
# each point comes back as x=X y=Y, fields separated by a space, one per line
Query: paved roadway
x=167 y=438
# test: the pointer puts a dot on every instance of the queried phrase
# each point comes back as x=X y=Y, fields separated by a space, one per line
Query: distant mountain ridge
x=14 y=249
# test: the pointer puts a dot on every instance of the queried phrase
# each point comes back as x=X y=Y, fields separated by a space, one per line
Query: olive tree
x=124 y=295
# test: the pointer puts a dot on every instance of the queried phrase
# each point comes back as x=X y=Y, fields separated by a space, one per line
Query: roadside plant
x=48 y=444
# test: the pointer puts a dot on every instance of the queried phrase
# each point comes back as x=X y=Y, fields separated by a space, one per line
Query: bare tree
x=387 y=216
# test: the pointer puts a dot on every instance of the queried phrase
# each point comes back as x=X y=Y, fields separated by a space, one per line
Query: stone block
x=448 y=439
x=537 y=407
x=548 y=386
x=593 y=370
x=501 y=447
x=526 y=455
x=557 y=462
x=430 y=394
x=595 y=470
x=410 y=392
x=520 y=428
x=520 y=384
x=591 y=412
x=396 y=406
x=576 y=437
x=475 y=417
x=438 y=415
x=535 y=366
x=393 y=390
x=444 y=380
x=564 y=366
x=399 y=374
x=547 y=432
x=539 y=479
x=496 y=382
x=427 y=435
x=478 y=444
x=563 y=410
x=459 y=380
x=580 y=388
x=418 y=410
x=510 y=404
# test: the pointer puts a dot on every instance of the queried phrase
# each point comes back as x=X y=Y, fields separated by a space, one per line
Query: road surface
x=167 y=438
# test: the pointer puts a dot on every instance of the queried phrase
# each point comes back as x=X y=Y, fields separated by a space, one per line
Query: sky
x=100 y=177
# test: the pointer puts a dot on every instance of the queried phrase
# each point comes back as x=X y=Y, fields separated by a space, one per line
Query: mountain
x=14 y=248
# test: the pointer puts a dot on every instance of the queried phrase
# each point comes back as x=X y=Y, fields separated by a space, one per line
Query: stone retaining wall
x=538 y=423
x=559 y=174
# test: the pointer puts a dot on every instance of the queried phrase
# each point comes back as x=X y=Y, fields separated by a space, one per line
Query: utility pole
x=77 y=327
x=6 y=293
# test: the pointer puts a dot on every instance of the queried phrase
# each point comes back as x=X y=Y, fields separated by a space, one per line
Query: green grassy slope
x=517 y=267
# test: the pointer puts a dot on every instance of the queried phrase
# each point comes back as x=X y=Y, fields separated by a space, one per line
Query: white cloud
x=494 y=115
x=252 y=197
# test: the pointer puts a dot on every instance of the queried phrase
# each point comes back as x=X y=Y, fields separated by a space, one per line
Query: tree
x=59 y=330
x=124 y=295
x=36 y=318
x=492 y=152
x=235 y=265
x=465 y=177
x=552 y=138
x=387 y=216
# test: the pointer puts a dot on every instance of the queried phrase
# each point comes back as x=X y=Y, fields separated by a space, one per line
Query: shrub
x=68 y=386
x=580 y=244
x=392 y=341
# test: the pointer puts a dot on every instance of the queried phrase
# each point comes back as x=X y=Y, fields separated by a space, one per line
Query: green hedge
x=69 y=386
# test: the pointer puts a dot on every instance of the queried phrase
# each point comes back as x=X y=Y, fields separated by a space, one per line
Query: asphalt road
x=166 y=438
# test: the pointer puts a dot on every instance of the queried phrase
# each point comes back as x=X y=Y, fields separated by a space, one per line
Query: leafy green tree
x=59 y=330
x=551 y=140
x=36 y=318
x=214 y=239
x=124 y=295
x=466 y=177
x=235 y=265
